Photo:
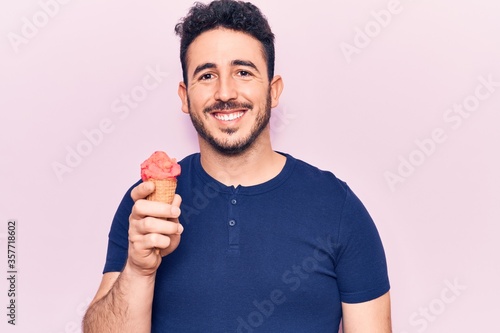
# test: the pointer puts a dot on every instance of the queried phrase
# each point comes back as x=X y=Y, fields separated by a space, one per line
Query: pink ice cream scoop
x=162 y=171
x=160 y=166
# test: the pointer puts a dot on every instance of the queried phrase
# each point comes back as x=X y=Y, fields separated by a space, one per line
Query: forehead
x=221 y=46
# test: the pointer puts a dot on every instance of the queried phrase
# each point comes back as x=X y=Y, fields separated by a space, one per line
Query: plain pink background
x=356 y=118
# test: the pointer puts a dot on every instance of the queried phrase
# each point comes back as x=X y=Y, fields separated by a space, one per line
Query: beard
x=225 y=146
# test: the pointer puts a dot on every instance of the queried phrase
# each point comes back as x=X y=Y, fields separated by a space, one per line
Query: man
x=269 y=243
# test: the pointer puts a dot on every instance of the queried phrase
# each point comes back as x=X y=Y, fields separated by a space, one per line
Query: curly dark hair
x=229 y=14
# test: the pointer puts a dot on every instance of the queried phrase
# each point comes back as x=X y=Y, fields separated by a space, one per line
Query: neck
x=258 y=164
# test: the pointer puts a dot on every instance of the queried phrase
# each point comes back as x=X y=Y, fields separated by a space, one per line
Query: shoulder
x=188 y=161
x=310 y=176
x=190 y=166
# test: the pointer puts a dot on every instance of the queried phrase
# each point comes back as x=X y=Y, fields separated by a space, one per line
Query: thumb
x=142 y=190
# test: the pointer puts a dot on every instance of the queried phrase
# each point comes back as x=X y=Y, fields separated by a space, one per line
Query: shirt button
x=232 y=223
x=234 y=202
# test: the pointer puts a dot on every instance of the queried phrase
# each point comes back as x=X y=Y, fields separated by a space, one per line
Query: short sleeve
x=118 y=235
x=361 y=264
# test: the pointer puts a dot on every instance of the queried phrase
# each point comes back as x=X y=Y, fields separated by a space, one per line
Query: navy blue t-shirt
x=276 y=257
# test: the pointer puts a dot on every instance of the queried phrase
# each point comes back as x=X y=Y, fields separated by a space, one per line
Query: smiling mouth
x=228 y=116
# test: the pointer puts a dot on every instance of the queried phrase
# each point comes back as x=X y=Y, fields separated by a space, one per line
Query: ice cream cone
x=162 y=171
x=164 y=190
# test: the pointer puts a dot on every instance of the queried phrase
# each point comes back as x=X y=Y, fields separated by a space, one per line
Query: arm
x=368 y=317
x=123 y=302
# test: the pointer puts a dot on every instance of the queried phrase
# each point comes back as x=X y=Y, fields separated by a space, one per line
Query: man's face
x=228 y=95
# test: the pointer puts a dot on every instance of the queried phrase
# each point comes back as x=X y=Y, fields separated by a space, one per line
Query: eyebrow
x=203 y=67
x=237 y=62
x=246 y=63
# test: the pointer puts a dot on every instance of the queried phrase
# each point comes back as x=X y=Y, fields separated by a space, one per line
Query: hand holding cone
x=162 y=171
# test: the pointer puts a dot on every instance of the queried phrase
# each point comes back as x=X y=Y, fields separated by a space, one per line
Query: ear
x=182 y=91
x=276 y=89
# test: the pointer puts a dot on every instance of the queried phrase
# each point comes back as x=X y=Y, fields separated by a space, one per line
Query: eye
x=244 y=73
x=206 y=77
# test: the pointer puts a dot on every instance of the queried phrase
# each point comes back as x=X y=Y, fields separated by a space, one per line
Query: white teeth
x=230 y=116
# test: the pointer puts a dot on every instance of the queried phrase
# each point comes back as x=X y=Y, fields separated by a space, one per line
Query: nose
x=226 y=89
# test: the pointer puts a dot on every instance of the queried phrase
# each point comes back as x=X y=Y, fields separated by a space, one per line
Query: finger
x=144 y=208
x=149 y=242
x=177 y=200
x=176 y=207
x=150 y=225
x=142 y=190
x=157 y=241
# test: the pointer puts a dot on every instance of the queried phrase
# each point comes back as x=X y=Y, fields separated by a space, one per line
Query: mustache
x=224 y=106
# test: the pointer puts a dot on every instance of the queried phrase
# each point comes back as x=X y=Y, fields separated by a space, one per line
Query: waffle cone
x=164 y=190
